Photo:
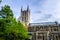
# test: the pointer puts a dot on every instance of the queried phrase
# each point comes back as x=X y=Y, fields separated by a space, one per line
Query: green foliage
x=0 y=1
x=8 y=11
x=10 y=29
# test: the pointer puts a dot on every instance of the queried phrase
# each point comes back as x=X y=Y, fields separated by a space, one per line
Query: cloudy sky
x=40 y=10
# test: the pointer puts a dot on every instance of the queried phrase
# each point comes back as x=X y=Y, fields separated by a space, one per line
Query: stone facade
x=25 y=17
x=44 y=31
x=40 y=31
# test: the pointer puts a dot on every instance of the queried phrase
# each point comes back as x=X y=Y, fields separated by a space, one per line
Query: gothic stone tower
x=25 y=16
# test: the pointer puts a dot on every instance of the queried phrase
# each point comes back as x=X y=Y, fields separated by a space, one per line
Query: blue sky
x=40 y=10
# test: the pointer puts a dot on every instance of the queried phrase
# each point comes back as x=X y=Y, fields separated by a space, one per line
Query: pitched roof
x=44 y=23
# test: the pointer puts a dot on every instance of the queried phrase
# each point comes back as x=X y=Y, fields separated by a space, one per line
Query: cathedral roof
x=44 y=23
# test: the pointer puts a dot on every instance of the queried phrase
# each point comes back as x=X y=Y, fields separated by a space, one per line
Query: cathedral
x=40 y=31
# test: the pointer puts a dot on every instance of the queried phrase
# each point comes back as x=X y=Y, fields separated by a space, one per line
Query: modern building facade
x=40 y=31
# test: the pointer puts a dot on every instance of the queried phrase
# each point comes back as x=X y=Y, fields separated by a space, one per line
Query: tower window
x=56 y=37
x=39 y=37
x=55 y=29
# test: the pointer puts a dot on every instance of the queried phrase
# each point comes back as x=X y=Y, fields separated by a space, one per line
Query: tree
x=0 y=1
x=10 y=29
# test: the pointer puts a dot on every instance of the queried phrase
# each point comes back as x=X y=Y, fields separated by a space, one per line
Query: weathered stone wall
x=44 y=32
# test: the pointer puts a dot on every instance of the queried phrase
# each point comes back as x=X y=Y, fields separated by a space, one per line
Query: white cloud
x=50 y=7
